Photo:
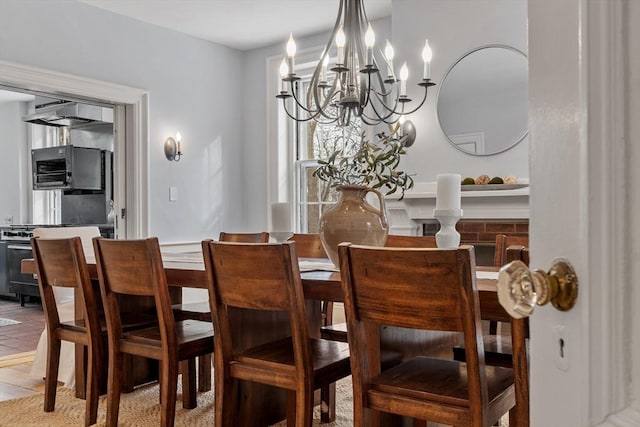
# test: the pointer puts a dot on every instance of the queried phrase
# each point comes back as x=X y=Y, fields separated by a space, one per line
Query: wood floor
x=17 y=345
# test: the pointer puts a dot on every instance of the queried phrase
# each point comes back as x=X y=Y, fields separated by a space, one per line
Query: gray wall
x=15 y=153
x=455 y=27
x=194 y=87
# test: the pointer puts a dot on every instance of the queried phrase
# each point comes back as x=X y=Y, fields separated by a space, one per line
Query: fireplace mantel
x=407 y=216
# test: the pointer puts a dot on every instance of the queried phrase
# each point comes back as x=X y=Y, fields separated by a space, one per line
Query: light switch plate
x=173 y=194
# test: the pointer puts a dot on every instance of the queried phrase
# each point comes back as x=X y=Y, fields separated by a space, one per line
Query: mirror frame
x=444 y=78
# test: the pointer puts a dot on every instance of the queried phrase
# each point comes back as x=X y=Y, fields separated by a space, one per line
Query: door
x=583 y=119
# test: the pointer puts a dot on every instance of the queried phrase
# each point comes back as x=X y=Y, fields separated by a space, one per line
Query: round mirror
x=482 y=102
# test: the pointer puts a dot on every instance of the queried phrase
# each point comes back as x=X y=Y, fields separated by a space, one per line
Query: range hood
x=69 y=114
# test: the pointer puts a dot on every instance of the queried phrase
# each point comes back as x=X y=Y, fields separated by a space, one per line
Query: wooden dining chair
x=501 y=350
x=202 y=311
x=338 y=331
x=134 y=268
x=262 y=237
x=297 y=363
x=66 y=307
x=503 y=241
x=428 y=289
x=61 y=263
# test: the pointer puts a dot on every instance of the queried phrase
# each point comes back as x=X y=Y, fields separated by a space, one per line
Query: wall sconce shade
x=172 y=149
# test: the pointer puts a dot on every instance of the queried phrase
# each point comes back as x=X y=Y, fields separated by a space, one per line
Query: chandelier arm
x=314 y=83
x=390 y=110
x=424 y=98
x=296 y=118
x=311 y=117
x=299 y=104
x=378 y=117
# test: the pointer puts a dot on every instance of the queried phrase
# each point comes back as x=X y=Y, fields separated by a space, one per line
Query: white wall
x=14 y=149
x=454 y=27
x=194 y=87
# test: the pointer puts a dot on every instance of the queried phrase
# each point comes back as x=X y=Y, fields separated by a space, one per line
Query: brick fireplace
x=486 y=214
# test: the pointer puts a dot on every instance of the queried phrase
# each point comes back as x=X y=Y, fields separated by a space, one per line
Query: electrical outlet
x=173 y=194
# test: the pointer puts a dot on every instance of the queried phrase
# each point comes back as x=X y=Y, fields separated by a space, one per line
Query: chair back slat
x=61 y=263
x=126 y=272
x=503 y=241
x=308 y=245
x=55 y=262
x=422 y=281
x=238 y=277
x=397 y=241
x=262 y=237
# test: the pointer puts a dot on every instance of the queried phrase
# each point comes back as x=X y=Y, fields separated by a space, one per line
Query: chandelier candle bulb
x=291 y=53
x=323 y=71
x=427 y=54
x=369 y=41
x=340 y=42
x=280 y=217
x=404 y=75
x=448 y=191
x=388 y=54
x=284 y=72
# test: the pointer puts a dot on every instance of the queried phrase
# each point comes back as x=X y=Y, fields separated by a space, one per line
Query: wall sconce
x=172 y=149
x=405 y=131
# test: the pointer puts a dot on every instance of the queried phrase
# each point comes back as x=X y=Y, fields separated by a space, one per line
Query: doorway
x=130 y=133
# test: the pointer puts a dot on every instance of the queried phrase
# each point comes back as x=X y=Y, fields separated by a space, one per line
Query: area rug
x=7 y=322
x=140 y=409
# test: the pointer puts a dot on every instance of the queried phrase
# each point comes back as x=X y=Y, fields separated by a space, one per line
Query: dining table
x=264 y=405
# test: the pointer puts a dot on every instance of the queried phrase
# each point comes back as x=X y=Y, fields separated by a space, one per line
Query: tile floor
x=24 y=336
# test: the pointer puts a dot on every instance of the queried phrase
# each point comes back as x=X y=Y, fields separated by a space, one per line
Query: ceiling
x=240 y=24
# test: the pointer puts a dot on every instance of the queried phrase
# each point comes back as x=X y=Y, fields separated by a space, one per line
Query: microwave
x=67 y=167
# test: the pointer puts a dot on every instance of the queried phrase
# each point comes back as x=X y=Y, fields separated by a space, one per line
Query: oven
x=17 y=247
x=19 y=283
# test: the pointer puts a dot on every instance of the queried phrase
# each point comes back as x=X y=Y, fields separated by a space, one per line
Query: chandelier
x=358 y=88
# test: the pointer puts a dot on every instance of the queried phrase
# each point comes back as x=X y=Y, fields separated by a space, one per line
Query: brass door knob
x=520 y=289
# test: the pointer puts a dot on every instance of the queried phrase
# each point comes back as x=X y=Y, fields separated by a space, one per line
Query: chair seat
x=195 y=310
x=193 y=332
x=328 y=356
x=438 y=380
x=335 y=332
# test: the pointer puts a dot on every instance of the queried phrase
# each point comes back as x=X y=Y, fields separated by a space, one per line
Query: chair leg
x=328 y=403
x=51 y=376
x=291 y=408
x=92 y=390
x=204 y=373
x=189 y=397
x=168 y=392
x=225 y=392
x=113 y=388
x=304 y=407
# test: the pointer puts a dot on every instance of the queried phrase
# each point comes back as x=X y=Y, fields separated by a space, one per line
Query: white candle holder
x=280 y=236
x=448 y=237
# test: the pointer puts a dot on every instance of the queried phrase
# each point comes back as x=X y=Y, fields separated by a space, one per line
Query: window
x=313 y=141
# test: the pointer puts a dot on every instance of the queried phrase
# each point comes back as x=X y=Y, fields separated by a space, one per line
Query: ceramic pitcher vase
x=353 y=219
